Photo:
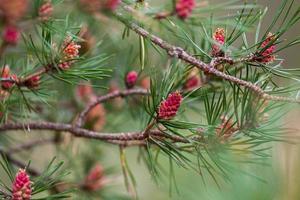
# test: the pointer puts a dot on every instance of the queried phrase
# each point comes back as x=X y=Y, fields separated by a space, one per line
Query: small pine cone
x=131 y=78
x=145 y=83
x=84 y=92
x=169 y=107
x=219 y=38
x=184 y=8
x=267 y=55
x=70 y=51
x=6 y=74
x=193 y=80
x=65 y=65
x=11 y=35
x=13 y=10
x=33 y=82
x=45 y=11
x=97 y=117
x=94 y=179
x=90 y=6
x=21 y=189
x=112 y=4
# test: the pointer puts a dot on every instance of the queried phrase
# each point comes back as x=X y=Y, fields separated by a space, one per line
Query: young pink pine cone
x=267 y=55
x=45 y=11
x=13 y=10
x=193 y=80
x=131 y=78
x=33 y=82
x=85 y=92
x=97 y=117
x=11 y=35
x=21 y=189
x=145 y=83
x=169 y=107
x=94 y=179
x=219 y=38
x=112 y=4
x=184 y=8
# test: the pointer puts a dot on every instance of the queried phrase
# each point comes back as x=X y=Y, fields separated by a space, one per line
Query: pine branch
x=101 y=99
x=84 y=133
x=180 y=53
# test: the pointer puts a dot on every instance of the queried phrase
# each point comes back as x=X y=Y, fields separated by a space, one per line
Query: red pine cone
x=21 y=189
x=219 y=38
x=131 y=79
x=145 y=83
x=267 y=55
x=13 y=10
x=45 y=11
x=11 y=35
x=85 y=92
x=6 y=74
x=184 y=8
x=192 y=83
x=169 y=107
x=193 y=80
x=33 y=82
x=97 y=117
x=94 y=179
x=112 y=4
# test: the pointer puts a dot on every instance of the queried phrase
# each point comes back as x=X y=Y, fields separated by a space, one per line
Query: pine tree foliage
x=199 y=85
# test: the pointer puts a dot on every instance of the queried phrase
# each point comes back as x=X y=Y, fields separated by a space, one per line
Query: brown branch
x=21 y=81
x=82 y=116
x=41 y=71
x=84 y=133
x=180 y=53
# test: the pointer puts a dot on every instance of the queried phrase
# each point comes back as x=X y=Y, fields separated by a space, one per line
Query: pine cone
x=13 y=10
x=131 y=79
x=169 y=107
x=267 y=55
x=45 y=11
x=219 y=38
x=11 y=35
x=184 y=8
x=94 y=179
x=21 y=189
